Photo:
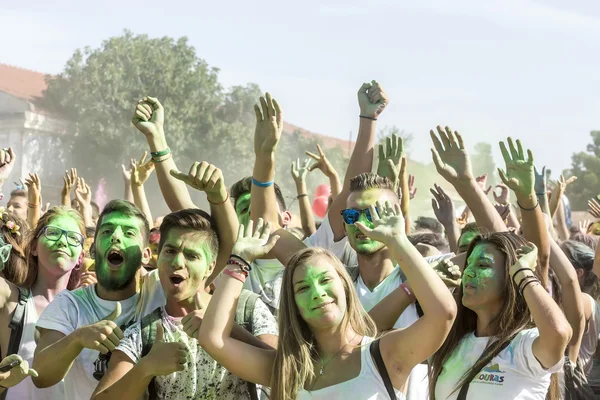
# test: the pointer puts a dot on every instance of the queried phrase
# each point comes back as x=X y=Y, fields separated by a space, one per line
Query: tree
x=407 y=138
x=483 y=161
x=586 y=167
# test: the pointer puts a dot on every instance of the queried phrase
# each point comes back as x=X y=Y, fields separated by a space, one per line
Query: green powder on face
x=479 y=270
x=313 y=289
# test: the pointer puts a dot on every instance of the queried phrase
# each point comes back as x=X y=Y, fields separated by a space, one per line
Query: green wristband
x=158 y=154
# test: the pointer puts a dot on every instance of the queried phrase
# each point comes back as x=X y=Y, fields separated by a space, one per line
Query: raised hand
x=299 y=170
x=482 y=182
x=390 y=156
x=102 y=336
x=541 y=183
x=450 y=156
x=165 y=357
x=17 y=373
x=83 y=193
x=412 y=190
x=504 y=196
x=519 y=175
x=321 y=163
x=594 y=208
x=127 y=171
x=449 y=273
x=141 y=170
x=526 y=264
x=269 y=125
x=442 y=205
x=7 y=163
x=388 y=223
x=69 y=180
x=562 y=183
x=149 y=117
x=583 y=226
x=206 y=178
x=372 y=100
x=503 y=210
x=253 y=243
x=34 y=190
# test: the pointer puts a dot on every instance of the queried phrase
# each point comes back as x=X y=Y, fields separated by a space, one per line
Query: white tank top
x=26 y=390
x=368 y=385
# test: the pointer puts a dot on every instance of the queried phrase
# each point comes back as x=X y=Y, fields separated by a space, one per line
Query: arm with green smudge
x=572 y=297
x=149 y=119
x=452 y=162
x=372 y=101
x=209 y=179
x=403 y=349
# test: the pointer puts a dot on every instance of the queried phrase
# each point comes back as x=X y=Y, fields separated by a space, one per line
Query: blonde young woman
x=324 y=350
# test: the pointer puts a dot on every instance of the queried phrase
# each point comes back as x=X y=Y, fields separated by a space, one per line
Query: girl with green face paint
x=53 y=255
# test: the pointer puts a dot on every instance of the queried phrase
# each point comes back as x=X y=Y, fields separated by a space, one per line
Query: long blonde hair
x=296 y=350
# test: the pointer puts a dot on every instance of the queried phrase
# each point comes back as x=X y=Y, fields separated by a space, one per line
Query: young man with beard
x=175 y=366
x=79 y=329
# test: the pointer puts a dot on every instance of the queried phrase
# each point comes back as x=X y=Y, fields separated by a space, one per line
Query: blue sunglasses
x=350 y=215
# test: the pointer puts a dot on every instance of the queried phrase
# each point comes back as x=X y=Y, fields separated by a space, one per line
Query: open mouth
x=115 y=258
x=176 y=279
x=360 y=236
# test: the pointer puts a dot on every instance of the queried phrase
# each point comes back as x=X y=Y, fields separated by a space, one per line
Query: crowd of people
x=498 y=301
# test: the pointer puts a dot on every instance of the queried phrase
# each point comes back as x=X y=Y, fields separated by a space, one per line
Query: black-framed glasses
x=54 y=234
x=350 y=215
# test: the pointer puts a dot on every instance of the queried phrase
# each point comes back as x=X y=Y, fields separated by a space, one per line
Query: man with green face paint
x=79 y=329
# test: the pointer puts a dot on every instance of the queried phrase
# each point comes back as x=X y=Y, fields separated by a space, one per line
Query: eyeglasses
x=54 y=234
x=350 y=215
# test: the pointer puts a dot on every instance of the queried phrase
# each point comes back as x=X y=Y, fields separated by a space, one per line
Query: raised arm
x=149 y=119
x=127 y=194
x=443 y=208
x=503 y=199
x=250 y=363
x=69 y=181
x=554 y=330
x=452 y=162
x=519 y=177
x=323 y=164
x=557 y=193
x=572 y=298
x=269 y=126
x=209 y=179
x=540 y=187
x=390 y=156
x=403 y=349
x=140 y=172
x=299 y=172
x=372 y=101
x=34 y=199
x=83 y=194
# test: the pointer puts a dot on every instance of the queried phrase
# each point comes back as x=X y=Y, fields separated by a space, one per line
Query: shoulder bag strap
x=376 y=354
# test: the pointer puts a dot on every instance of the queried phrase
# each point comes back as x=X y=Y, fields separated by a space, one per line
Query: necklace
x=322 y=370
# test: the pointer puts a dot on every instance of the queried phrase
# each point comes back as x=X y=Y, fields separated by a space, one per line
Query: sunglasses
x=54 y=234
x=350 y=215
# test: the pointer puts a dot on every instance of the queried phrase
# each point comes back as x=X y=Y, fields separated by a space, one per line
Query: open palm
x=388 y=223
x=449 y=156
x=253 y=244
x=519 y=175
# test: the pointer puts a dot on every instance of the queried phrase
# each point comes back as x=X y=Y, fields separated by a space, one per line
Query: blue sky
x=489 y=69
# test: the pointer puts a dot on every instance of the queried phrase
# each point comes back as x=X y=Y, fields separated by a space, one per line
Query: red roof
x=20 y=82
x=28 y=85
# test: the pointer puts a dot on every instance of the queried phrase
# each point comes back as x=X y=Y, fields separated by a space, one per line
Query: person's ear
x=146 y=255
x=210 y=269
x=579 y=272
x=34 y=251
x=286 y=218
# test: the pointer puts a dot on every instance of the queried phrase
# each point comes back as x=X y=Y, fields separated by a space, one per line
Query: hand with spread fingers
x=69 y=181
x=450 y=156
x=519 y=175
x=34 y=190
x=443 y=207
x=390 y=157
x=321 y=162
x=594 y=208
x=562 y=183
x=388 y=223
x=372 y=100
x=251 y=243
x=300 y=170
x=206 y=178
x=269 y=125
x=141 y=170
x=83 y=193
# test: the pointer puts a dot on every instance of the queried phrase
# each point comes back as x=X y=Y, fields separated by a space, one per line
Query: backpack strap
x=243 y=316
x=148 y=331
x=462 y=395
x=376 y=354
x=16 y=327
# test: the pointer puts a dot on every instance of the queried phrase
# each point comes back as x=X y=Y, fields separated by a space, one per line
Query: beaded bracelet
x=247 y=267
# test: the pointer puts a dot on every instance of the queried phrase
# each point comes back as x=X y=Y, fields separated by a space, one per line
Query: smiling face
x=359 y=201
x=120 y=250
x=184 y=263
x=483 y=279
x=319 y=293
x=58 y=257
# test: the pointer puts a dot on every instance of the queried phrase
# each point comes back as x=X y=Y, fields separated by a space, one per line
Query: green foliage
x=586 y=167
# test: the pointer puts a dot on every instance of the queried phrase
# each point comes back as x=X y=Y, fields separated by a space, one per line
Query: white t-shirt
x=202 y=378
x=81 y=307
x=26 y=390
x=368 y=385
x=514 y=373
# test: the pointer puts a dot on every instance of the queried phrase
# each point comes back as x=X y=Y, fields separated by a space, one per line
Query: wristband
x=235 y=275
x=158 y=154
x=525 y=282
x=410 y=294
x=261 y=184
x=157 y=160
x=31 y=205
x=242 y=266
x=219 y=203
x=513 y=274
x=297 y=197
x=371 y=118
x=528 y=209
x=247 y=267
